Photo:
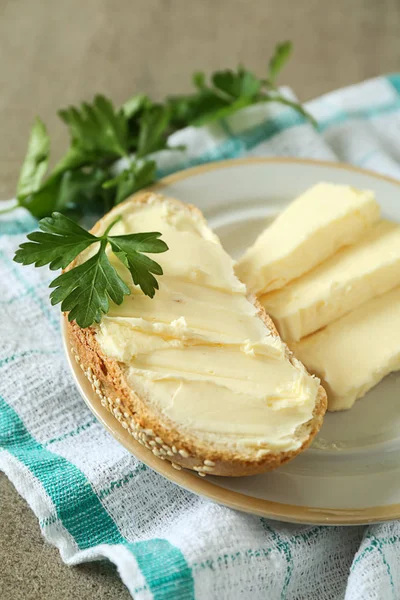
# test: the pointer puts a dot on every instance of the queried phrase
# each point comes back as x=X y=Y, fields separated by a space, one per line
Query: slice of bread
x=235 y=401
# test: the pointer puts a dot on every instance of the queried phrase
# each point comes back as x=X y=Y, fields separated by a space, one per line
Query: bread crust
x=161 y=436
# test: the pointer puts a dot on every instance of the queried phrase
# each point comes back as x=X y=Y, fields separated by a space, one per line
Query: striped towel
x=94 y=500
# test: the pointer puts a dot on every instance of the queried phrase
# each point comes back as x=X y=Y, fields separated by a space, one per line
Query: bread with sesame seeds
x=198 y=375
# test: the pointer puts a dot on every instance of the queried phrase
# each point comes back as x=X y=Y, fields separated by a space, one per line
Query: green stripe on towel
x=81 y=512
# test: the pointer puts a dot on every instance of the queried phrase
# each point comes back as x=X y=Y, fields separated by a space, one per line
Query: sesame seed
x=96 y=382
x=159 y=440
x=77 y=358
x=149 y=432
x=209 y=463
x=162 y=457
x=126 y=414
x=169 y=453
x=184 y=453
x=208 y=469
x=156 y=452
x=124 y=425
x=201 y=474
x=117 y=400
x=177 y=467
x=166 y=447
x=174 y=450
x=162 y=452
x=153 y=443
x=104 y=402
x=197 y=468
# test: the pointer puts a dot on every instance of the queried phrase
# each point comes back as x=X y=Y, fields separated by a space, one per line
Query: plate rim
x=233 y=162
x=190 y=481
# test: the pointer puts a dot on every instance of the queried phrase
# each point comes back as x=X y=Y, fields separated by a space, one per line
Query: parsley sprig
x=85 y=290
x=84 y=181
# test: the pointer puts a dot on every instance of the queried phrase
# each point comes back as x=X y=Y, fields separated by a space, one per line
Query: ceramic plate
x=351 y=473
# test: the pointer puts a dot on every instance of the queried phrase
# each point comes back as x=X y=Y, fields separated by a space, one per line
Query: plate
x=351 y=473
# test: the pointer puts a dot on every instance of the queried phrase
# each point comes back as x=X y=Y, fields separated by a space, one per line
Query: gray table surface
x=56 y=53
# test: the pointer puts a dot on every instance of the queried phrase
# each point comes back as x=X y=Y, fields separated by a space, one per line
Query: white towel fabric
x=93 y=499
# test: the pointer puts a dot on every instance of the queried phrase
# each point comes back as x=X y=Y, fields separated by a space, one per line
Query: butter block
x=351 y=277
x=356 y=352
x=313 y=227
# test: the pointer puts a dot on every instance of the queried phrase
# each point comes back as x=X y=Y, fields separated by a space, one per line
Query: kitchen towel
x=94 y=500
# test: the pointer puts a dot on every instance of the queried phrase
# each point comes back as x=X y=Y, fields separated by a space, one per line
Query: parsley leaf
x=237 y=85
x=75 y=158
x=35 y=164
x=195 y=109
x=134 y=105
x=138 y=176
x=57 y=244
x=97 y=128
x=129 y=249
x=43 y=201
x=217 y=109
x=85 y=291
x=281 y=55
x=81 y=188
x=73 y=191
x=153 y=128
x=199 y=80
x=230 y=91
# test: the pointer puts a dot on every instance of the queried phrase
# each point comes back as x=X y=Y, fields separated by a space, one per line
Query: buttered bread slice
x=198 y=374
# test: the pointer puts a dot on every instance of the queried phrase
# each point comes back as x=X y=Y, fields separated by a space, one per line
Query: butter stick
x=351 y=277
x=356 y=352
x=313 y=227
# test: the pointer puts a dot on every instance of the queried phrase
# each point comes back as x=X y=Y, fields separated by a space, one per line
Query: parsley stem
x=298 y=107
x=107 y=231
x=3 y=211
